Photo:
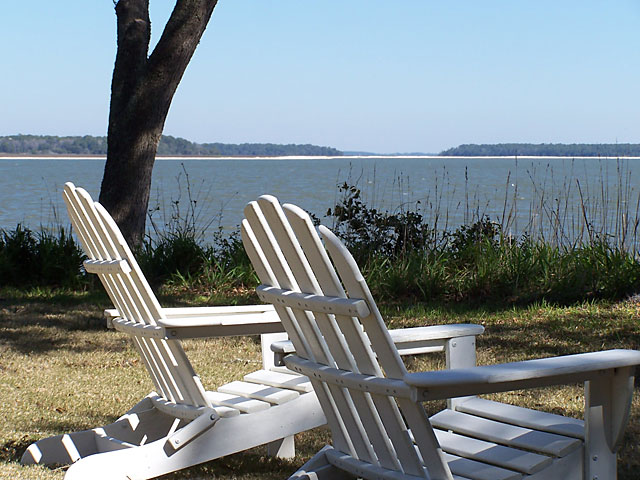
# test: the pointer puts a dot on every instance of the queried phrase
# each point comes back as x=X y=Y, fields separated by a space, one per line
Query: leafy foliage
x=42 y=258
x=369 y=232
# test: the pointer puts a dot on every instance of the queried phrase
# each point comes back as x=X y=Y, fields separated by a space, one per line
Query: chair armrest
x=183 y=312
x=409 y=341
x=193 y=322
x=110 y=314
x=519 y=375
x=435 y=332
x=283 y=347
x=416 y=340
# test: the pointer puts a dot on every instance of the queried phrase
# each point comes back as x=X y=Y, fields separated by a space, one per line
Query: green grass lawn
x=61 y=370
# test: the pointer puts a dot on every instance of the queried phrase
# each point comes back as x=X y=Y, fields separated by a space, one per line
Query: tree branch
x=177 y=45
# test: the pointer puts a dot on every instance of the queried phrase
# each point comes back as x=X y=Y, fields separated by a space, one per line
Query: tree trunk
x=142 y=88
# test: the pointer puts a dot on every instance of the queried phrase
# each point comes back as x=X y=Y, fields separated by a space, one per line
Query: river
x=517 y=192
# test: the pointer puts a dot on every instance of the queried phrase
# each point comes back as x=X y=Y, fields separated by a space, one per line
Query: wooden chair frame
x=179 y=424
x=374 y=406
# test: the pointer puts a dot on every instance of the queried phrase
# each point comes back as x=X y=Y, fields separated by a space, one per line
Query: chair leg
x=229 y=435
x=283 y=448
x=607 y=402
x=71 y=447
x=319 y=468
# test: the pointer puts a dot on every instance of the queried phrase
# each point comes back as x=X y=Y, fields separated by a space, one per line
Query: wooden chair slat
x=384 y=423
x=524 y=417
x=366 y=409
x=147 y=359
x=492 y=453
x=476 y=470
x=259 y=246
x=316 y=303
x=281 y=380
x=258 y=391
x=505 y=434
x=242 y=404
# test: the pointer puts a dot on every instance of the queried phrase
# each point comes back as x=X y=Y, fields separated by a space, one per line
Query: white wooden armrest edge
x=407 y=336
x=283 y=347
x=197 y=321
x=516 y=375
x=435 y=332
x=222 y=325
x=182 y=312
x=213 y=321
x=110 y=314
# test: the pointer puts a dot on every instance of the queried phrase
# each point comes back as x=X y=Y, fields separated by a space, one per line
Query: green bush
x=402 y=257
x=176 y=254
x=42 y=258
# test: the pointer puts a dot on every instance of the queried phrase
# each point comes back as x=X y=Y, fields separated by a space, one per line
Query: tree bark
x=142 y=88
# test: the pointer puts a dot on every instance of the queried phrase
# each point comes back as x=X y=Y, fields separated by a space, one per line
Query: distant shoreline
x=314 y=157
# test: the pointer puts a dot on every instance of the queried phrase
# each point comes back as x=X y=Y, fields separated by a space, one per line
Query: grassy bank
x=63 y=371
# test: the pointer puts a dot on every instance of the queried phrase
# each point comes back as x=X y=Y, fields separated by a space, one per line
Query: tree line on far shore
x=546 y=149
x=90 y=145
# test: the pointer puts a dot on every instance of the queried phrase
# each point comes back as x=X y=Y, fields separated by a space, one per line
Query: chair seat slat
x=185 y=411
x=524 y=417
x=504 y=433
x=245 y=405
x=273 y=395
x=291 y=381
x=492 y=453
x=477 y=470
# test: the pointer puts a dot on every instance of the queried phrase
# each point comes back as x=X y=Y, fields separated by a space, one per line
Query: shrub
x=402 y=257
x=44 y=258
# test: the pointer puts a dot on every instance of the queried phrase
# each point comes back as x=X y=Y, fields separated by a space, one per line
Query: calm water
x=451 y=191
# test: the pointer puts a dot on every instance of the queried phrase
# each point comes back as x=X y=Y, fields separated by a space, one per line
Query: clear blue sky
x=381 y=76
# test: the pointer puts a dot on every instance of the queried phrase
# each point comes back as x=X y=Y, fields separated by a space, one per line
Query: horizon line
x=315 y=157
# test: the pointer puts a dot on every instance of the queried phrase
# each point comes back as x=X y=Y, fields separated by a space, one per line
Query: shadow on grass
x=12 y=450
x=15 y=296
x=536 y=330
x=38 y=327
x=553 y=337
x=253 y=464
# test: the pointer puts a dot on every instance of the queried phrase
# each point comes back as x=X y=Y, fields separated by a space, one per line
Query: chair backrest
x=341 y=341
x=111 y=259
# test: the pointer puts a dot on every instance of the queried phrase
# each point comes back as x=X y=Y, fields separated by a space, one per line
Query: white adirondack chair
x=373 y=406
x=180 y=424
